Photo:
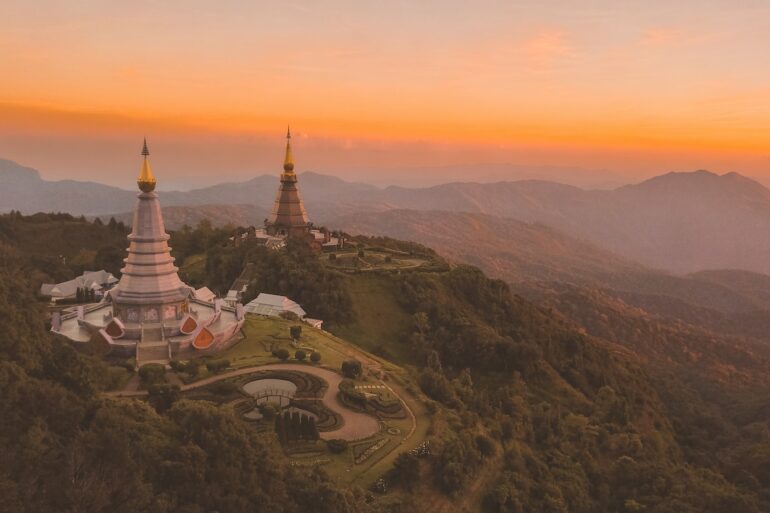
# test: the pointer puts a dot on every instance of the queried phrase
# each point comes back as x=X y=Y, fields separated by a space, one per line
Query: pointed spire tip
x=146 y=180
x=288 y=161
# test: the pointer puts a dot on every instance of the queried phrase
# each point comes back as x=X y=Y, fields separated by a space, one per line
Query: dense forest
x=582 y=424
x=574 y=405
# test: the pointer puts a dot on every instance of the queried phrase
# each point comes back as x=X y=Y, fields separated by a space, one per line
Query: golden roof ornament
x=288 y=161
x=146 y=180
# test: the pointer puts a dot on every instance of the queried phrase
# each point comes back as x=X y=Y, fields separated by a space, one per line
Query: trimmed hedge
x=217 y=366
x=337 y=446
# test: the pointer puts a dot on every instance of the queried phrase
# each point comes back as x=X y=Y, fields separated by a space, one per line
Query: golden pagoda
x=289 y=217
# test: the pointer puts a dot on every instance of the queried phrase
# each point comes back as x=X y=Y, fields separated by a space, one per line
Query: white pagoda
x=151 y=313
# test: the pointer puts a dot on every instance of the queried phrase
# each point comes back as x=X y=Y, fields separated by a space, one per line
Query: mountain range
x=678 y=222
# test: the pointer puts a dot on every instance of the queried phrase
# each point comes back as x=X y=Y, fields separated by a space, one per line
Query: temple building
x=289 y=218
x=151 y=313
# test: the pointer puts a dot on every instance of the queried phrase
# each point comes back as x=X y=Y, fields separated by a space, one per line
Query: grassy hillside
x=380 y=323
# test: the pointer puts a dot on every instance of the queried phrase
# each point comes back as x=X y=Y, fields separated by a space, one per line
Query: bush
x=348 y=392
x=295 y=332
x=315 y=357
x=406 y=470
x=217 y=366
x=152 y=374
x=300 y=355
x=192 y=367
x=176 y=365
x=352 y=368
x=269 y=410
x=282 y=354
x=333 y=257
x=337 y=446
x=223 y=388
x=162 y=396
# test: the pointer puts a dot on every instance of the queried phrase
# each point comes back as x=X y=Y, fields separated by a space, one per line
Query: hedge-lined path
x=355 y=425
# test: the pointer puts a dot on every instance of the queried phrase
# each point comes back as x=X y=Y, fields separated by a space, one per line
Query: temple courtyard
x=374 y=439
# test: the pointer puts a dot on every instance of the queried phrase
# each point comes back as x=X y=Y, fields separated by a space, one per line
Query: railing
x=264 y=394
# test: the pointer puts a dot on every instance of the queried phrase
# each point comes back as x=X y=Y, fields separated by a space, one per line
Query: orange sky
x=403 y=92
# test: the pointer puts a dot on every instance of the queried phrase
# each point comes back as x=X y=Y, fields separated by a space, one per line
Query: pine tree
x=288 y=427
x=280 y=429
x=296 y=425
x=313 y=429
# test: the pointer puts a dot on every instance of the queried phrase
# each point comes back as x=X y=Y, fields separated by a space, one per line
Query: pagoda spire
x=146 y=180
x=288 y=161
x=289 y=216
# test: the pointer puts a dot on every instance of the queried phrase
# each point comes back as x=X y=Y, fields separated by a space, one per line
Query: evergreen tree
x=288 y=427
x=296 y=425
x=313 y=429
x=280 y=429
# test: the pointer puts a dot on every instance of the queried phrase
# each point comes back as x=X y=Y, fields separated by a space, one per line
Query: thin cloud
x=670 y=36
x=546 y=48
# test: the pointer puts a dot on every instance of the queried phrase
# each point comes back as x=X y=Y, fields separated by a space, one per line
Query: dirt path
x=406 y=407
x=355 y=425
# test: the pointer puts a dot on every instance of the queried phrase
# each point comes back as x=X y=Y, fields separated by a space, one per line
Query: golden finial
x=146 y=180
x=288 y=161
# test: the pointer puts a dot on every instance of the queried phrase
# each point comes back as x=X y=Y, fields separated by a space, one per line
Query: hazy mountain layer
x=680 y=222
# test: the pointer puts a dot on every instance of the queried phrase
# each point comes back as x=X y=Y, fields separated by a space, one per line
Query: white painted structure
x=151 y=313
x=99 y=281
x=272 y=305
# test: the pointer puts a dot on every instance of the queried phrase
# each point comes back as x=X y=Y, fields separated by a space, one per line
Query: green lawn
x=380 y=323
x=264 y=333
x=349 y=259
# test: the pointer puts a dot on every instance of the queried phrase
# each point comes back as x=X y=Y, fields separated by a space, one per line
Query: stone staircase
x=152 y=348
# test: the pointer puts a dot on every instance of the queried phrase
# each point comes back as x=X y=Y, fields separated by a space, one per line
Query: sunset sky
x=408 y=92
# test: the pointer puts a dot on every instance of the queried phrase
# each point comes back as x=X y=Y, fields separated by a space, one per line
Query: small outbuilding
x=272 y=305
x=98 y=281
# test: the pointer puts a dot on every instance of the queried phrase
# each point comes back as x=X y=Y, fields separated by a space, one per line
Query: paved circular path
x=355 y=425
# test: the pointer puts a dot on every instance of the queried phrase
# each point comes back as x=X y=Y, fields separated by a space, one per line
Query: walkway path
x=355 y=425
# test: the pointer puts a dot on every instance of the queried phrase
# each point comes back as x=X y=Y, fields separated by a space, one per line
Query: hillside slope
x=532 y=256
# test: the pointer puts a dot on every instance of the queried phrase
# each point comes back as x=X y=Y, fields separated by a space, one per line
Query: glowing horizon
x=371 y=90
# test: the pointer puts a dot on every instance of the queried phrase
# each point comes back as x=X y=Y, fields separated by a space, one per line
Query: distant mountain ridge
x=23 y=189
x=680 y=222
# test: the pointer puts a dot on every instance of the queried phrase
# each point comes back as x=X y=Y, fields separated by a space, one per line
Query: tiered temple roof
x=151 y=314
x=149 y=275
x=289 y=216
